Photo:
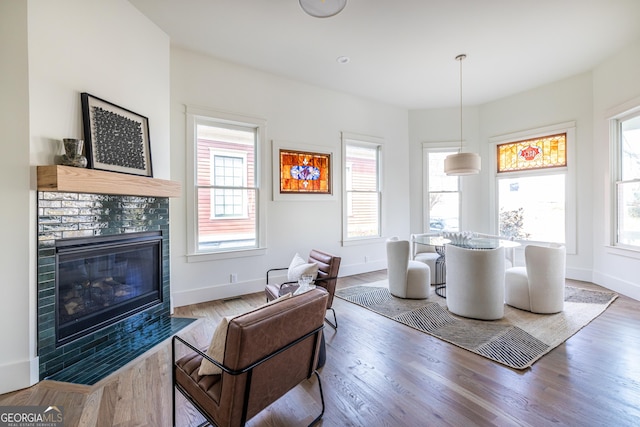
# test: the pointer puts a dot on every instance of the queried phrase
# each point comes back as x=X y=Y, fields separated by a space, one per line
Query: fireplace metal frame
x=98 y=245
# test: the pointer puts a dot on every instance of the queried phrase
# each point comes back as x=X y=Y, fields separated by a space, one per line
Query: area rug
x=517 y=340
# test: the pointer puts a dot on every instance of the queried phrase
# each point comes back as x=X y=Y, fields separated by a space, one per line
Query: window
x=362 y=196
x=531 y=187
x=442 y=198
x=229 y=173
x=627 y=180
x=224 y=192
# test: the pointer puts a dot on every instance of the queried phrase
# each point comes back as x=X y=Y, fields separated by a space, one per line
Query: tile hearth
x=122 y=348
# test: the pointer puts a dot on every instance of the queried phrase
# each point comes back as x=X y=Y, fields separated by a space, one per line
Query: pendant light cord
x=460 y=58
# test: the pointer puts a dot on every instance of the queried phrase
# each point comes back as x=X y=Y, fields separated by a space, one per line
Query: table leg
x=441 y=273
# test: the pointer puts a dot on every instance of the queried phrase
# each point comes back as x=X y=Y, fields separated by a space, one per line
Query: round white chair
x=539 y=286
x=475 y=282
x=407 y=278
x=426 y=254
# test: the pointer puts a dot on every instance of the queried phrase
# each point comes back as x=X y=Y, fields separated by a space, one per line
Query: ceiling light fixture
x=322 y=8
x=343 y=59
x=462 y=163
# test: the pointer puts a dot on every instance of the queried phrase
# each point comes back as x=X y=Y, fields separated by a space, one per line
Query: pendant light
x=462 y=163
x=322 y=8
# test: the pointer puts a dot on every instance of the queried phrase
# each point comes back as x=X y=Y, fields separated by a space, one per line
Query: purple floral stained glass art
x=305 y=172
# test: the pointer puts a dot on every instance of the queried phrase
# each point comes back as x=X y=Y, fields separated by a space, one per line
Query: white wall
x=563 y=101
x=615 y=83
x=17 y=258
x=295 y=113
x=106 y=48
x=586 y=99
x=566 y=100
x=442 y=125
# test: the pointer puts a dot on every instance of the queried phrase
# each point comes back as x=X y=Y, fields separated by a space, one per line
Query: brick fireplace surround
x=94 y=356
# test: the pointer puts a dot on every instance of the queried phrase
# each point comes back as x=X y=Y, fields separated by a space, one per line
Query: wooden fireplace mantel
x=71 y=179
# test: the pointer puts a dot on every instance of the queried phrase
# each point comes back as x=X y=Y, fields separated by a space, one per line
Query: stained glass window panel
x=538 y=153
x=303 y=172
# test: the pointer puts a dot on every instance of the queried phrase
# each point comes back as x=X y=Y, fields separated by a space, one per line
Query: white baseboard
x=19 y=375
x=632 y=290
x=231 y=290
x=350 y=270
x=215 y=292
x=581 y=274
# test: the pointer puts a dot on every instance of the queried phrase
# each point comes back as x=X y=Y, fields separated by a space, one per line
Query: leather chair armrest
x=275 y=269
x=198 y=351
x=245 y=369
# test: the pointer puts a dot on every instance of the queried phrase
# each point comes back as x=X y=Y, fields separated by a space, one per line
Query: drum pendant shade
x=462 y=163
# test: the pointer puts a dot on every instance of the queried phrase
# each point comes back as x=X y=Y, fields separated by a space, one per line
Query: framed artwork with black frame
x=116 y=139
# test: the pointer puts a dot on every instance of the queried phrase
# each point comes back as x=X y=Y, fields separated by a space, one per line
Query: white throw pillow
x=219 y=340
x=299 y=266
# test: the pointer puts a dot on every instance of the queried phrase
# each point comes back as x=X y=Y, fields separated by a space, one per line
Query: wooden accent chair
x=267 y=352
x=328 y=266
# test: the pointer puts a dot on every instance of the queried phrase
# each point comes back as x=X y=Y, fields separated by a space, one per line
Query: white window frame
x=623 y=112
x=226 y=153
x=194 y=116
x=369 y=142
x=436 y=147
x=570 y=220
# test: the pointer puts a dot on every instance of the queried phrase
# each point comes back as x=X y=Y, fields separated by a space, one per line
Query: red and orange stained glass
x=537 y=153
x=305 y=172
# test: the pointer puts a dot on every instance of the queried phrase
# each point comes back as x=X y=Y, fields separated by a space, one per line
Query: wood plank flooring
x=381 y=373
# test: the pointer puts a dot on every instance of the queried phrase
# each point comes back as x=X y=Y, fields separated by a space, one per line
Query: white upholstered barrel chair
x=475 y=282
x=539 y=286
x=407 y=278
x=426 y=254
x=509 y=253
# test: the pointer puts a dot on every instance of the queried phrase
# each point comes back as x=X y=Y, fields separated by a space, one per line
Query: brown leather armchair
x=328 y=266
x=268 y=352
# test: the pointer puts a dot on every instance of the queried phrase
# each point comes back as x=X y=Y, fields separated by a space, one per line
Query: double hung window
x=442 y=207
x=224 y=198
x=362 y=195
x=626 y=137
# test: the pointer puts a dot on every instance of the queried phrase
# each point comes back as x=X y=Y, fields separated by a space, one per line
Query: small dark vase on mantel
x=73 y=153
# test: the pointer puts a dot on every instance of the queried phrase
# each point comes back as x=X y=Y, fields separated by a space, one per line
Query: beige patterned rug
x=517 y=340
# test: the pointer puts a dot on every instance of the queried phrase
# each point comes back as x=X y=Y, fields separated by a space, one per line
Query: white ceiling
x=402 y=52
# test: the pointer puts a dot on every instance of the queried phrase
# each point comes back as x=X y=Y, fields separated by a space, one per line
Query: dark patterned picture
x=116 y=139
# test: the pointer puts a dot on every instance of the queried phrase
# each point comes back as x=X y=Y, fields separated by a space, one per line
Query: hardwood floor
x=381 y=373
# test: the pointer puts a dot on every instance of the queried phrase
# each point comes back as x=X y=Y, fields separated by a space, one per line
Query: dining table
x=439 y=243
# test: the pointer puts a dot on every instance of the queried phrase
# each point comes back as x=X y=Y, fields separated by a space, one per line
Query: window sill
x=625 y=252
x=363 y=241
x=214 y=256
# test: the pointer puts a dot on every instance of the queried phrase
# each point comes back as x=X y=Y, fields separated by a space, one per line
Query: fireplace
x=101 y=280
x=122 y=319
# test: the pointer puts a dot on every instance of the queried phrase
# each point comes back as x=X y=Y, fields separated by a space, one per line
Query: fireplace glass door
x=103 y=280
